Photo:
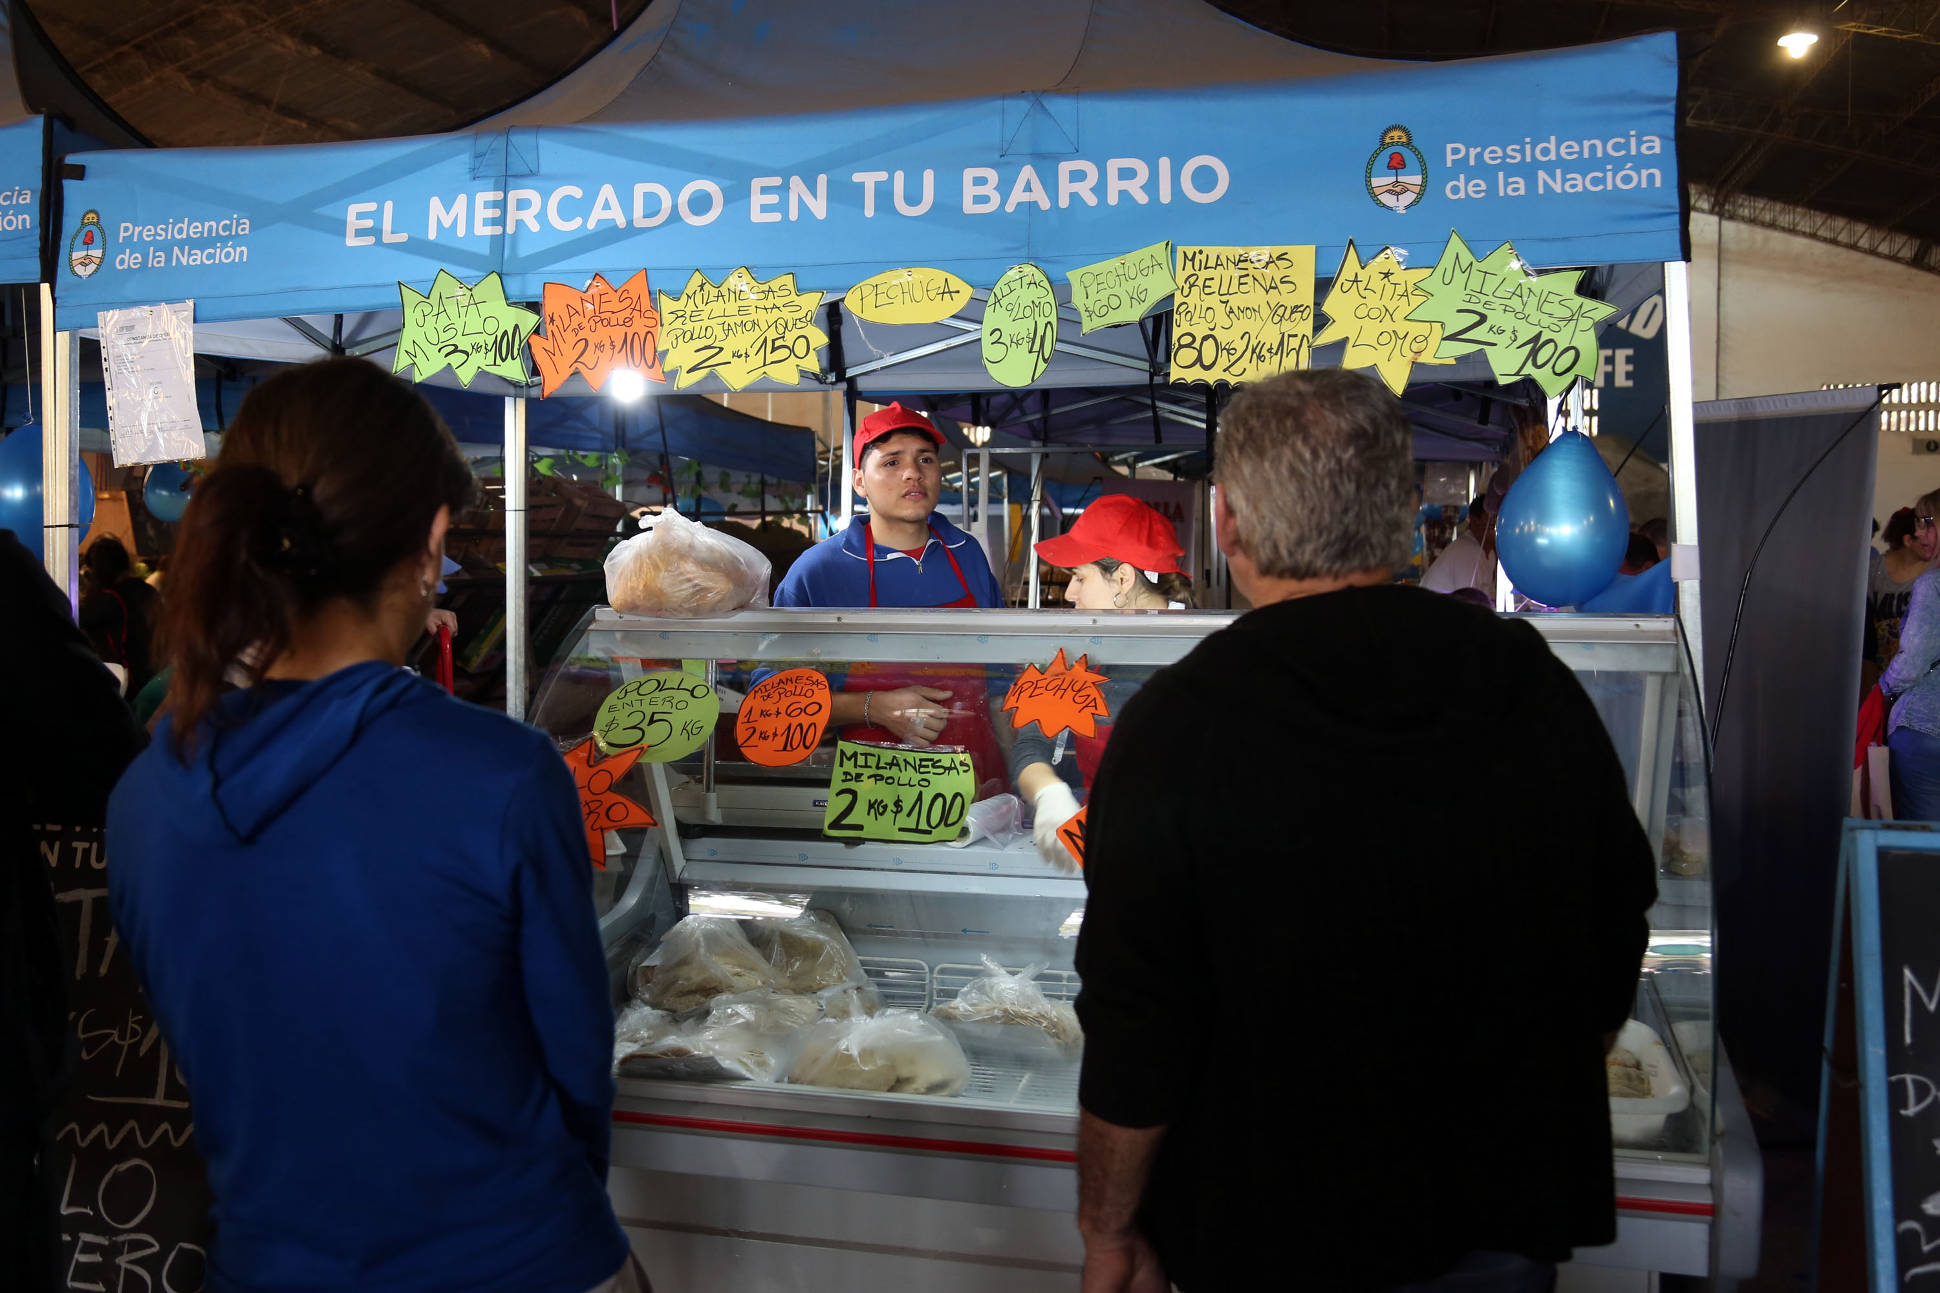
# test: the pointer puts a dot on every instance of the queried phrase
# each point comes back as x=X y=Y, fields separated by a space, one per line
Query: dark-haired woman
x=118 y=612
x=362 y=909
x=1123 y=556
x=1910 y=552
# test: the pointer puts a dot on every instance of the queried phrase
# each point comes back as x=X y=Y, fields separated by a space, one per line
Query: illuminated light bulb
x=626 y=386
x=1796 y=43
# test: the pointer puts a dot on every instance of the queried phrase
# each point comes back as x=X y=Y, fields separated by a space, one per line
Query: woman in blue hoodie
x=362 y=909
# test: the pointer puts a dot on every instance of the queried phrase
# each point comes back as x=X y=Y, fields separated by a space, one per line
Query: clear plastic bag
x=898 y=1051
x=809 y=953
x=997 y=819
x=849 y=1001
x=750 y=1036
x=702 y=957
x=768 y=1012
x=992 y=1008
x=678 y=567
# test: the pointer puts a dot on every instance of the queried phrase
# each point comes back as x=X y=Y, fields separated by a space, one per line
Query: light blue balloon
x=1564 y=526
x=166 y=491
x=20 y=489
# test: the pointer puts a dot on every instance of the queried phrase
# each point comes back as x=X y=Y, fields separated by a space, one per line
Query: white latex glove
x=1051 y=808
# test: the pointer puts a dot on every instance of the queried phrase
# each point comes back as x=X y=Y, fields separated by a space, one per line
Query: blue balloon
x=20 y=489
x=166 y=491
x=1651 y=593
x=1564 y=526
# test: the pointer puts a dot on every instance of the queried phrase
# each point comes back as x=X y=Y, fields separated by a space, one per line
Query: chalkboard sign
x=133 y=1200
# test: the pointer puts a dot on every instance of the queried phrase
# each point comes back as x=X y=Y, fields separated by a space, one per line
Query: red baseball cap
x=894 y=418
x=1122 y=528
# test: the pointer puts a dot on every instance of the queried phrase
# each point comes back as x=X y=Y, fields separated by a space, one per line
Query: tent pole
x=848 y=452
x=1030 y=553
x=983 y=503
x=1683 y=464
x=60 y=453
x=515 y=570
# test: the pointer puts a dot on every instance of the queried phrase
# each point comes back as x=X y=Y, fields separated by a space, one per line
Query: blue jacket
x=363 y=913
x=835 y=572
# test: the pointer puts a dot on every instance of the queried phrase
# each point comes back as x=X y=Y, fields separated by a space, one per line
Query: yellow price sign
x=668 y=715
x=901 y=796
x=907 y=296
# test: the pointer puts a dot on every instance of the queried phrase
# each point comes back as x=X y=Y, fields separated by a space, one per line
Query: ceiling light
x=978 y=436
x=626 y=385
x=1796 y=43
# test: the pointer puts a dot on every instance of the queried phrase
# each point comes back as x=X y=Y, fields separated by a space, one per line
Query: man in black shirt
x=1331 y=1040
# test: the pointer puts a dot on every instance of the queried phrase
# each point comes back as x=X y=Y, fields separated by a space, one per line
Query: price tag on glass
x=783 y=718
x=667 y=715
x=902 y=796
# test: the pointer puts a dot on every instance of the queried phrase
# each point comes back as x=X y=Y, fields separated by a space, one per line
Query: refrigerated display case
x=957 y=1169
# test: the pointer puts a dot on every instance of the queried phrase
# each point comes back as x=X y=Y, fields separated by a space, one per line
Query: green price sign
x=902 y=796
x=667 y=715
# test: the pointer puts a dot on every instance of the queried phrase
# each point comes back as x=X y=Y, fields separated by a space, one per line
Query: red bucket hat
x=1122 y=528
x=894 y=418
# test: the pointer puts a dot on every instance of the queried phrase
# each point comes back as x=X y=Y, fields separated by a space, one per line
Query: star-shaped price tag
x=468 y=327
x=1058 y=696
x=1527 y=324
x=1368 y=308
x=603 y=807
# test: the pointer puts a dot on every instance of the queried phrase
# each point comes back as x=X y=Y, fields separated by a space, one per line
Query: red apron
x=967 y=720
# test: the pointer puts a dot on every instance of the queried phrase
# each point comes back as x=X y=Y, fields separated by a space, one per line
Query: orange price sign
x=1072 y=836
x=602 y=807
x=783 y=718
x=596 y=330
x=1060 y=696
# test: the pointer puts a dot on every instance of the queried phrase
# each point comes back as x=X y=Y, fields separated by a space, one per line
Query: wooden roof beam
x=477 y=37
x=155 y=71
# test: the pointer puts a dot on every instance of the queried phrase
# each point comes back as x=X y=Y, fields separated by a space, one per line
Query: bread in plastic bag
x=677 y=567
x=849 y=1001
x=899 y=1051
x=702 y=957
x=809 y=952
x=998 y=999
x=749 y=1040
x=768 y=1012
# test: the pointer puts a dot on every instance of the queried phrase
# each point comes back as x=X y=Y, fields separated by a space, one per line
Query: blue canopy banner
x=1569 y=154
x=23 y=158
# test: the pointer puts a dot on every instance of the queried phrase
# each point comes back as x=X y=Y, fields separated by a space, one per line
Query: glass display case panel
x=933 y=926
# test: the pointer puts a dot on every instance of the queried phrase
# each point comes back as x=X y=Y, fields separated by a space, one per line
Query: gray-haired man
x=1330 y=1039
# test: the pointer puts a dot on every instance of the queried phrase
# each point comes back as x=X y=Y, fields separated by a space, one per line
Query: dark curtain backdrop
x=1783 y=759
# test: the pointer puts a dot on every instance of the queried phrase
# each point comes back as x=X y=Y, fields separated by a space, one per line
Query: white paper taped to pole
x=148 y=368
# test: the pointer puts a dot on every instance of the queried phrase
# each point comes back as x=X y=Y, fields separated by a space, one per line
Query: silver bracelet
x=867 y=696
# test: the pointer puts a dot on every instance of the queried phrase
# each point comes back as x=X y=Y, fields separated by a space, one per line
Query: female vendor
x=1123 y=556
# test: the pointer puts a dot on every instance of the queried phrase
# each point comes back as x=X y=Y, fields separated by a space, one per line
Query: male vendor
x=902 y=553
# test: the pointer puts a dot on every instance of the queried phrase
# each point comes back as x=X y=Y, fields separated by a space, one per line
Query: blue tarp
x=1570 y=154
x=696 y=428
x=23 y=155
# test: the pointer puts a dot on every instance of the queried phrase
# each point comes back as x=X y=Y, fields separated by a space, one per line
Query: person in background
x=67 y=736
x=362 y=910
x=118 y=612
x=1469 y=561
x=903 y=553
x=1640 y=556
x=1233 y=805
x=1658 y=531
x=1911 y=547
x=1123 y=556
x=1909 y=680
